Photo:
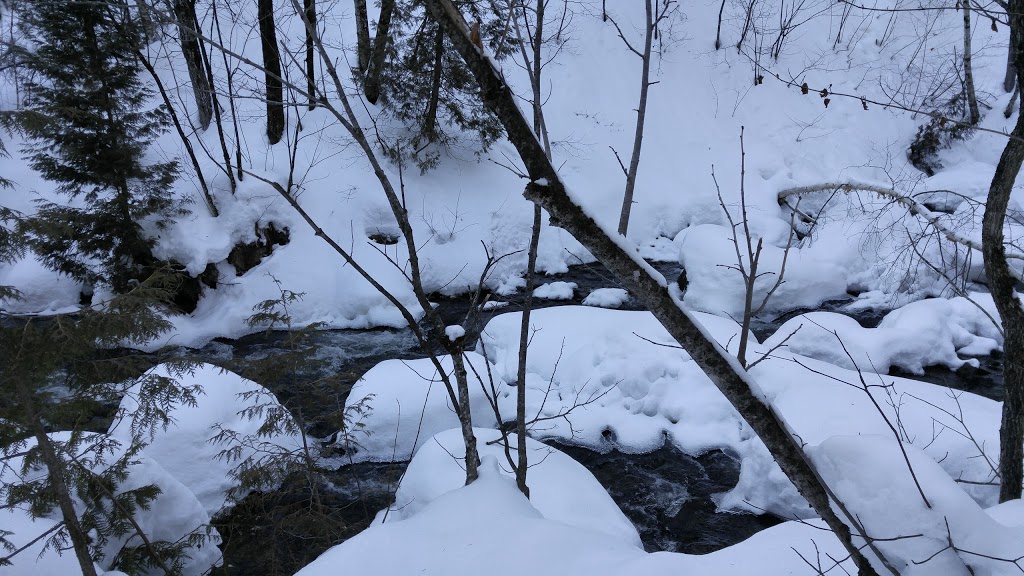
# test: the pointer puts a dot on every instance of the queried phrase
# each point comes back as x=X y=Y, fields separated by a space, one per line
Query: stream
x=668 y=495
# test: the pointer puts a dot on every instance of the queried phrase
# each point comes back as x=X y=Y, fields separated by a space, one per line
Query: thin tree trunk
x=641 y=114
x=56 y=473
x=362 y=35
x=185 y=15
x=430 y=117
x=649 y=286
x=371 y=87
x=310 y=60
x=1001 y=283
x=272 y=75
x=216 y=114
x=211 y=206
x=718 y=32
x=465 y=417
x=1011 y=69
x=231 y=92
x=972 y=97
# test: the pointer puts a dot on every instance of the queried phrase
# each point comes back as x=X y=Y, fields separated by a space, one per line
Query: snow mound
x=406 y=403
x=606 y=298
x=170 y=517
x=871 y=475
x=560 y=488
x=925 y=333
x=491 y=524
x=555 y=291
x=632 y=393
x=42 y=290
x=184 y=448
x=811 y=275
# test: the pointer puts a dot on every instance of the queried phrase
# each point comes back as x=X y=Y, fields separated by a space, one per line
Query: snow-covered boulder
x=185 y=449
x=406 y=403
x=561 y=489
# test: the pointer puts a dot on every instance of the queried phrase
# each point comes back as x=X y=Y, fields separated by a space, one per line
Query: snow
x=606 y=298
x=489 y=523
x=34 y=559
x=931 y=332
x=560 y=488
x=185 y=449
x=406 y=403
x=633 y=395
x=623 y=389
x=170 y=517
x=555 y=291
x=454 y=332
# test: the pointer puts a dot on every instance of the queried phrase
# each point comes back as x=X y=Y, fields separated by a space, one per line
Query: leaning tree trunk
x=185 y=15
x=1001 y=283
x=272 y=71
x=546 y=189
x=371 y=86
x=362 y=35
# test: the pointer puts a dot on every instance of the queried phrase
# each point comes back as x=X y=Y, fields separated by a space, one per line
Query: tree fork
x=547 y=190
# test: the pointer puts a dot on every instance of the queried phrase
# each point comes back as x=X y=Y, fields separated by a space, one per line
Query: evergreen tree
x=426 y=85
x=85 y=117
x=57 y=372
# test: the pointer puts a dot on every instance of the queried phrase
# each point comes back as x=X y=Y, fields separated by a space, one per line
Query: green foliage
x=290 y=484
x=58 y=368
x=88 y=132
x=408 y=83
x=938 y=134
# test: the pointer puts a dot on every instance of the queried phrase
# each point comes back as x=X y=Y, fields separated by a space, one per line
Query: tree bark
x=362 y=35
x=185 y=15
x=272 y=74
x=310 y=6
x=641 y=115
x=1001 y=283
x=546 y=189
x=371 y=87
x=1011 y=70
x=972 y=96
x=57 y=475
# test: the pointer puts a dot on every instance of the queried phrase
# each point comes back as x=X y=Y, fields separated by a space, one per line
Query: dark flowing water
x=668 y=495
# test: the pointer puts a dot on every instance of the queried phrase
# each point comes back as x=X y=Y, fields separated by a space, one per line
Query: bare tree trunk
x=972 y=97
x=185 y=15
x=362 y=35
x=718 y=33
x=1001 y=283
x=430 y=117
x=641 y=114
x=648 y=285
x=310 y=60
x=371 y=87
x=57 y=475
x=1011 y=69
x=210 y=205
x=272 y=74
x=231 y=92
x=216 y=109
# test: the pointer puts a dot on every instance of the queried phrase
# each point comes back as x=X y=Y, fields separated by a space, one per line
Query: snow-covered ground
x=598 y=377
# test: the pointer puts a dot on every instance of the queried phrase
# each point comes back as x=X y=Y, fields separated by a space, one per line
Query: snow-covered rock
x=185 y=449
x=561 y=489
